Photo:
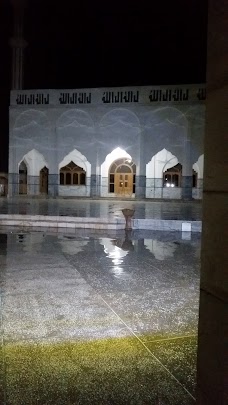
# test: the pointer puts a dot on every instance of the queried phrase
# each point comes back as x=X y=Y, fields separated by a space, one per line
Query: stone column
x=18 y=45
x=186 y=181
x=94 y=183
x=13 y=184
x=53 y=185
x=140 y=186
x=140 y=178
x=212 y=379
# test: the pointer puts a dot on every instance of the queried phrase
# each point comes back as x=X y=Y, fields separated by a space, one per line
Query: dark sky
x=92 y=43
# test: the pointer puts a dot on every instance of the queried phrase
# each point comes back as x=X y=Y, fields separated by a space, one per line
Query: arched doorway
x=172 y=176
x=22 y=178
x=122 y=177
x=44 y=180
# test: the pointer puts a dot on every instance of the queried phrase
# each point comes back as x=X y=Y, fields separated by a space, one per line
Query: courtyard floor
x=167 y=210
x=107 y=318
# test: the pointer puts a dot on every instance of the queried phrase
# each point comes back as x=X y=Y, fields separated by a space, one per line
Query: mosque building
x=128 y=142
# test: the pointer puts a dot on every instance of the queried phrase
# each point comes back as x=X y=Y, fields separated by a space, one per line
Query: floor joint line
x=148 y=350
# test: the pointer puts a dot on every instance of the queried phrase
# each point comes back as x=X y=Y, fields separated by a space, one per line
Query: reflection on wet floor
x=110 y=313
x=188 y=211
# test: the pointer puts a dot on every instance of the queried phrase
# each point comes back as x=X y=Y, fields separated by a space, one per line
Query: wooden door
x=23 y=184
x=44 y=181
x=124 y=183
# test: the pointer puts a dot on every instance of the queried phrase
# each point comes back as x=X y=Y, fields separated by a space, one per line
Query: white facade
x=64 y=142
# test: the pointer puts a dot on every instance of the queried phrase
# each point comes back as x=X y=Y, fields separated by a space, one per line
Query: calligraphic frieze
x=75 y=98
x=169 y=95
x=120 y=96
x=111 y=96
x=32 y=99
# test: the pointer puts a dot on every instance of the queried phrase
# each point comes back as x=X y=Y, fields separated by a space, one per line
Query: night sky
x=92 y=43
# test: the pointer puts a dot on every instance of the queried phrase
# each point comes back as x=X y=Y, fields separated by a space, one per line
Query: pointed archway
x=159 y=164
x=74 y=175
x=30 y=172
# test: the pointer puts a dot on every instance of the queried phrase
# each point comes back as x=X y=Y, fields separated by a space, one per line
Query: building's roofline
x=157 y=86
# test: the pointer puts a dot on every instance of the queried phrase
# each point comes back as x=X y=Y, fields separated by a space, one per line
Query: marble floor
x=178 y=210
x=106 y=318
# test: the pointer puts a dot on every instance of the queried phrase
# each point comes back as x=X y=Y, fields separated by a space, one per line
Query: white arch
x=79 y=159
x=121 y=116
x=159 y=163
x=117 y=153
x=198 y=166
x=171 y=115
x=34 y=161
x=31 y=118
x=75 y=118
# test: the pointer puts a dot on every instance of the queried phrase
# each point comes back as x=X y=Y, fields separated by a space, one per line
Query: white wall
x=75 y=191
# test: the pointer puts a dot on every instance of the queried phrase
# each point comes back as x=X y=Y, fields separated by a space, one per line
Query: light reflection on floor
x=142 y=286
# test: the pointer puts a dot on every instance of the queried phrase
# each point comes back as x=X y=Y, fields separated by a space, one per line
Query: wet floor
x=178 y=210
x=108 y=318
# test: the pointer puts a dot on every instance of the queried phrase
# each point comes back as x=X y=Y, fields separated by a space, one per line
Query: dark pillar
x=212 y=380
x=18 y=45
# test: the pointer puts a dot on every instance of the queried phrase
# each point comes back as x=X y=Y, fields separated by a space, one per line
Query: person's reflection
x=125 y=244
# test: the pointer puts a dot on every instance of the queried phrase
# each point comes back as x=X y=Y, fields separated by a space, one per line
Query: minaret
x=18 y=45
